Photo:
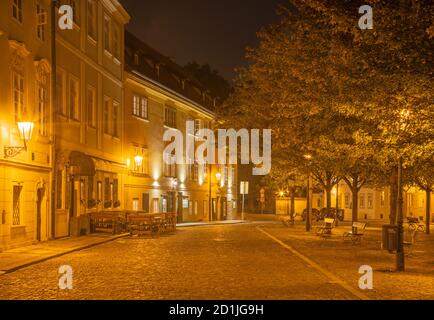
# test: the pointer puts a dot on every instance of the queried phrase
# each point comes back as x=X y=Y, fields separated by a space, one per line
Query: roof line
x=158 y=84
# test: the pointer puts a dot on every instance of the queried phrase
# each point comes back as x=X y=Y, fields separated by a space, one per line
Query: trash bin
x=390 y=238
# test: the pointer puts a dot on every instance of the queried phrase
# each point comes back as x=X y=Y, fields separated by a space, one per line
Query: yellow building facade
x=25 y=91
x=89 y=170
x=160 y=96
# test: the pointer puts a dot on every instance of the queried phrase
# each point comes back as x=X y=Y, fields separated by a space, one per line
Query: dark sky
x=208 y=31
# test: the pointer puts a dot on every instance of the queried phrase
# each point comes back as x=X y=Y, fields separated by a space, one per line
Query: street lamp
x=25 y=129
x=308 y=157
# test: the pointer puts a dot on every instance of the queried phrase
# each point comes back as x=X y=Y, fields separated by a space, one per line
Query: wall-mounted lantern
x=26 y=130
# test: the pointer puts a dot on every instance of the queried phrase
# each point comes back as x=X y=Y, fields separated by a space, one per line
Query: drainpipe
x=53 y=105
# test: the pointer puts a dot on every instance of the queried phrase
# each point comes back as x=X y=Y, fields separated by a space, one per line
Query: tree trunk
x=393 y=195
x=292 y=209
x=355 y=208
x=428 y=210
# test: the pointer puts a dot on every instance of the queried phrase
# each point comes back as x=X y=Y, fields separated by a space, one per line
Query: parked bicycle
x=415 y=225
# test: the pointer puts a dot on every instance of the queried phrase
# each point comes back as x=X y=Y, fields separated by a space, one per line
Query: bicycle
x=415 y=225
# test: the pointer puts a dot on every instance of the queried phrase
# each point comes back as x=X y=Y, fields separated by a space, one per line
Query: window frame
x=74 y=114
x=17 y=6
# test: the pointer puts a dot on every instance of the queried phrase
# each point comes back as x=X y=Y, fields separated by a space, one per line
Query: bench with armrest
x=325 y=230
x=357 y=232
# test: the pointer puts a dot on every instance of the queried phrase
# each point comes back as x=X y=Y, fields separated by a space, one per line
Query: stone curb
x=87 y=246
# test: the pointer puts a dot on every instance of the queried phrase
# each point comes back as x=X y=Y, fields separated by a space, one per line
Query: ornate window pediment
x=18 y=53
x=43 y=70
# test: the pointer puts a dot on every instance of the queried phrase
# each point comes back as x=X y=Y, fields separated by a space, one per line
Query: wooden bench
x=325 y=230
x=357 y=232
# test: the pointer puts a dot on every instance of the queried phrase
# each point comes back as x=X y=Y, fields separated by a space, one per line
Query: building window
x=116 y=40
x=107 y=33
x=41 y=18
x=115 y=195
x=91 y=107
x=347 y=200
x=145 y=202
x=60 y=92
x=116 y=119
x=170 y=117
x=362 y=201
x=17 y=10
x=59 y=189
x=198 y=125
x=16 y=216
x=370 y=200
x=91 y=19
x=99 y=191
x=18 y=95
x=107 y=103
x=135 y=204
x=140 y=106
x=136 y=59
x=155 y=205
x=169 y=167
x=75 y=5
x=382 y=198
x=42 y=111
x=74 y=112
x=107 y=189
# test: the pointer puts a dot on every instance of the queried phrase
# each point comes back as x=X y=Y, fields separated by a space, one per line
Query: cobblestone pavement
x=214 y=263
x=345 y=259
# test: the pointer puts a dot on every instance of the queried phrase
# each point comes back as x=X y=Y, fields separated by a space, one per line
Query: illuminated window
x=362 y=201
x=370 y=200
x=135 y=204
x=140 y=106
x=382 y=198
x=347 y=200
x=17 y=10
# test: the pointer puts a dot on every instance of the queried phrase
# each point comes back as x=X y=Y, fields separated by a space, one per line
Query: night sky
x=207 y=31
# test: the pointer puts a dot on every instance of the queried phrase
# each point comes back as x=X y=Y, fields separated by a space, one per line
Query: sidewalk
x=14 y=259
x=210 y=223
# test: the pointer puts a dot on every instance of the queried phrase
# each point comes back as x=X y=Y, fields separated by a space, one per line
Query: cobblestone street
x=218 y=262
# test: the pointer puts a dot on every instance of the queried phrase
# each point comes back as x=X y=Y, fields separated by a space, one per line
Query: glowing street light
x=138 y=160
x=25 y=129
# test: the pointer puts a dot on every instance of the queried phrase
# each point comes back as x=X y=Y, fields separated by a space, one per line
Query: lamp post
x=308 y=157
x=25 y=130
